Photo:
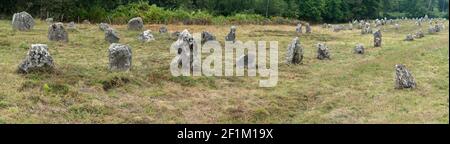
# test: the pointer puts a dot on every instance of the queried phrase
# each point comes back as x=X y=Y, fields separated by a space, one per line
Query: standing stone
x=299 y=28
x=22 y=21
x=322 y=51
x=246 y=61
x=49 y=20
x=432 y=30
x=120 y=57
x=206 y=36
x=71 y=26
x=38 y=59
x=163 y=29
x=103 y=26
x=325 y=25
x=186 y=47
x=56 y=32
x=136 y=24
x=294 y=54
x=308 y=28
x=231 y=35
x=359 y=49
x=350 y=26
x=397 y=26
x=409 y=37
x=419 y=34
x=146 y=36
x=111 y=36
x=337 y=28
x=86 y=22
x=403 y=78
x=437 y=28
x=377 y=38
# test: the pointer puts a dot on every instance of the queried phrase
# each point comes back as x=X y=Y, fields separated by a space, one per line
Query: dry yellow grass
x=347 y=89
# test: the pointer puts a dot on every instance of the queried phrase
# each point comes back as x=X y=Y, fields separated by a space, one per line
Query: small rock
x=359 y=49
x=409 y=37
x=146 y=36
x=38 y=59
x=231 y=35
x=103 y=26
x=206 y=36
x=111 y=36
x=163 y=29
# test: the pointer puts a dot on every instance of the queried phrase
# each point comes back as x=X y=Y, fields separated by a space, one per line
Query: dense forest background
x=210 y=11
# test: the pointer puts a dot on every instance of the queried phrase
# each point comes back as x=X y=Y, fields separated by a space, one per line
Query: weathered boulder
x=49 y=20
x=409 y=37
x=432 y=30
x=403 y=78
x=337 y=28
x=86 y=22
x=359 y=49
x=308 y=28
x=231 y=35
x=38 y=59
x=103 y=26
x=377 y=38
x=322 y=51
x=146 y=36
x=163 y=29
x=186 y=47
x=136 y=24
x=120 y=57
x=111 y=36
x=71 y=26
x=22 y=21
x=206 y=36
x=294 y=54
x=420 y=34
x=298 y=29
x=56 y=32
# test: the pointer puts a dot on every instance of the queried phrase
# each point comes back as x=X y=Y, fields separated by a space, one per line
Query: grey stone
x=186 y=47
x=403 y=78
x=359 y=49
x=86 y=22
x=409 y=37
x=120 y=57
x=308 y=28
x=322 y=51
x=420 y=34
x=103 y=26
x=38 y=59
x=111 y=36
x=298 y=29
x=146 y=36
x=163 y=29
x=56 y=32
x=432 y=30
x=294 y=54
x=136 y=24
x=231 y=35
x=397 y=26
x=206 y=36
x=71 y=26
x=377 y=38
x=49 y=20
x=22 y=21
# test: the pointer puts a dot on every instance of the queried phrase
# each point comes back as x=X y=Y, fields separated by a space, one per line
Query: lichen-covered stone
x=22 y=21
x=56 y=32
x=231 y=35
x=298 y=29
x=308 y=29
x=186 y=48
x=206 y=36
x=103 y=26
x=409 y=37
x=163 y=30
x=322 y=51
x=38 y=59
x=111 y=36
x=120 y=57
x=146 y=36
x=359 y=49
x=377 y=38
x=294 y=54
x=136 y=24
x=403 y=78
x=420 y=34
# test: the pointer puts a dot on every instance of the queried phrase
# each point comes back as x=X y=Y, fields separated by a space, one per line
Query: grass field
x=349 y=88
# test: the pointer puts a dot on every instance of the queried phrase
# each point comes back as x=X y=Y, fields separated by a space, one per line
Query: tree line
x=309 y=10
